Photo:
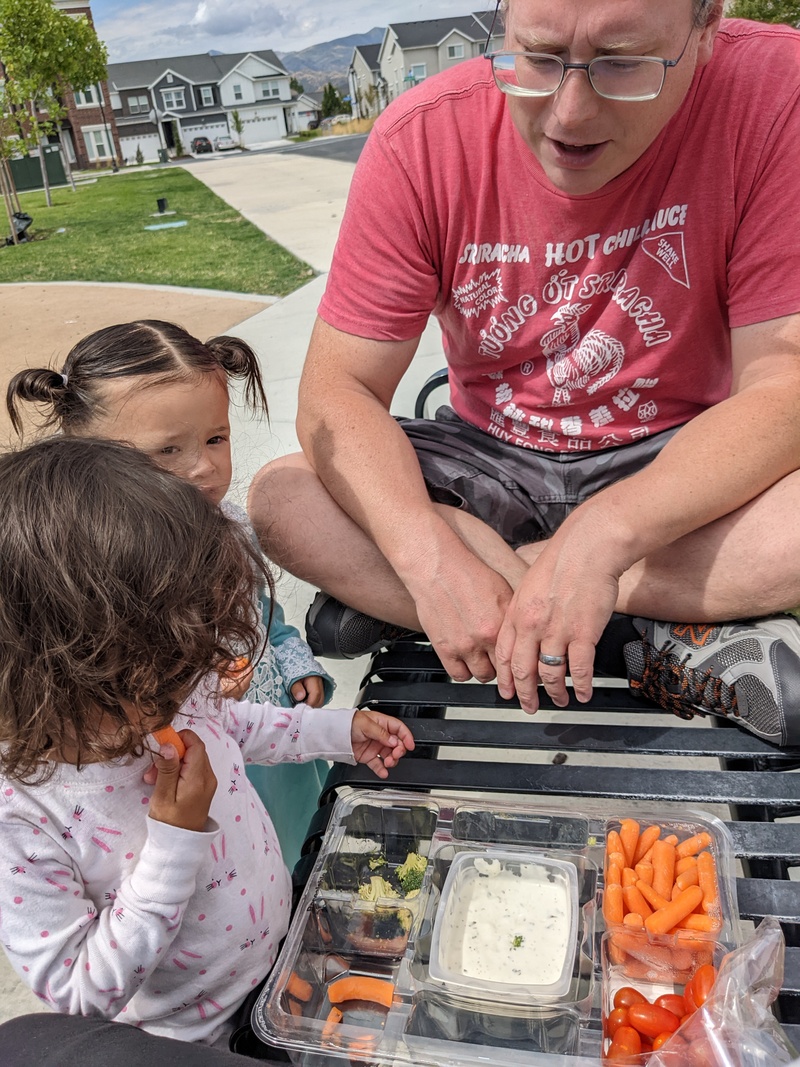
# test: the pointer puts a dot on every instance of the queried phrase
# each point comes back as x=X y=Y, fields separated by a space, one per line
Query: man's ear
x=705 y=47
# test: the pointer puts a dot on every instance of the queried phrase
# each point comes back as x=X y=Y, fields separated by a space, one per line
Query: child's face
x=182 y=426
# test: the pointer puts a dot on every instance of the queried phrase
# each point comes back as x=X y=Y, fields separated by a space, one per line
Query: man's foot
x=749 y=670
x=339 y=632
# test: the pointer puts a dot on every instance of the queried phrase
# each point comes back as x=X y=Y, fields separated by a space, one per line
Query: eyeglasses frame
x=665 y=63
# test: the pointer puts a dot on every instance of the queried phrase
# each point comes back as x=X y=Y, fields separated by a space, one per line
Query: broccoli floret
x=375 y=888
x=377 y=861
x=411 y=873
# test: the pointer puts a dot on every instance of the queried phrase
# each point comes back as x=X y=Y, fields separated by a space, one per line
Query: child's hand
x=184 y=788
x=309 y=691
x=379 y=740
x=234 y=680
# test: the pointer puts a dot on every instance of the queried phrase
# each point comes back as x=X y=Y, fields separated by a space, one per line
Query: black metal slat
x=759 y=897
x=591 y=737
x=770 y=788
x=766 y=840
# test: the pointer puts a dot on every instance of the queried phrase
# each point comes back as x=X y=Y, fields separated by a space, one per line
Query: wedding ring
x=552 y=661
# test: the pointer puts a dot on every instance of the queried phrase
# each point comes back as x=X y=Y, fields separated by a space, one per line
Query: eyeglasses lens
x=617 y=78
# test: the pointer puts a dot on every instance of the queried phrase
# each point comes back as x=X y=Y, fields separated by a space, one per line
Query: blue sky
x=149 y=29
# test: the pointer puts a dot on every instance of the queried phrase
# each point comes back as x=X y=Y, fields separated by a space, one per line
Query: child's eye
x=170 y=450
x=218 y=440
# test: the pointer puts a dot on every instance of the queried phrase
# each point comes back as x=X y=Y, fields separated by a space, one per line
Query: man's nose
x=575 y=102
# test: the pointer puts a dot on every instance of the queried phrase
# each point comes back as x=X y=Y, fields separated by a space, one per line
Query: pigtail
x=239 y=361
x=40 y=385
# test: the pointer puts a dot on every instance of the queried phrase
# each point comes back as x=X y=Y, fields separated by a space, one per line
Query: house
x=365 y=82
x=155 y=99
x=413 y=51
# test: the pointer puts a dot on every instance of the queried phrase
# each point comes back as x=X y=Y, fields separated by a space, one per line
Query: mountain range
x=319 y=64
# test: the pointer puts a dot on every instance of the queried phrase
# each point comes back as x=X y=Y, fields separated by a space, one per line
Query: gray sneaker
x=749 y=670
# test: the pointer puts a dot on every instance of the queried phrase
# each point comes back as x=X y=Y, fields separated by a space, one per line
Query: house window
x=237 y=92
x=418 y=72
x=455 y=51
x=138 y=104
x=174 y=99
x=97 y=143
x=206 y=96
x=89 y=97
x=268 y=91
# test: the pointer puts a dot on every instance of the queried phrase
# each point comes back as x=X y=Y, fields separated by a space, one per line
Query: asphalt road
x=346 y=147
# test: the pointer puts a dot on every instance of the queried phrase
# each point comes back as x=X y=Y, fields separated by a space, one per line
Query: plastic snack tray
x=356 y=981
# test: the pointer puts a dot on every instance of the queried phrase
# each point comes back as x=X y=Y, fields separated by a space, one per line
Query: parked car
x=334 y=120
x=201 y=144
x=224 y=144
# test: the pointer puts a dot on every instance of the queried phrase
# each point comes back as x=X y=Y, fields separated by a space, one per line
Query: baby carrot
x=692 y=845
x=612 y=904
x=648 y=836
x=618 y=858
x=644 y=871
x=167 y=735
x=298 y=987
x=635 y=902
x=685 y=864
x=707 y=924
x=359 y=987
x=629 y=835
x=614 y=875
x=663 y=920
x=689 y=877
x=672 y=839
x=634 y=920
x=335 y=1016
x=628 y=876
x=613 y=843
x=707 y=880
x=655 y=900
x=663 y=868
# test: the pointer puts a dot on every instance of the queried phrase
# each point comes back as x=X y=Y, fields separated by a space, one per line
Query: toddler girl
x=155 y=387
x=139 y=886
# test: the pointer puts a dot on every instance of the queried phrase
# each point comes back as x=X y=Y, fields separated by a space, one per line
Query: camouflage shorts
x=521 y=493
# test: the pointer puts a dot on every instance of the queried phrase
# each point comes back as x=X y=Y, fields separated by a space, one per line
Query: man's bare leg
x=301 y=528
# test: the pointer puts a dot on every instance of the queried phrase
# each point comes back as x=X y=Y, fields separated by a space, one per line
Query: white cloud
x=148 y=29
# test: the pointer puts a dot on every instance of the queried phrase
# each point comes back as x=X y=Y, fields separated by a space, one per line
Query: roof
x=430 y=32
x=200 y=69
x=369 y=53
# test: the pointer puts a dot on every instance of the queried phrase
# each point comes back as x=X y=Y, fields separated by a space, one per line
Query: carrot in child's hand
x=168 y=735
x=707 y=880
x=692 y=845
x=663 y=920
x=647 y=838
x=629 y=836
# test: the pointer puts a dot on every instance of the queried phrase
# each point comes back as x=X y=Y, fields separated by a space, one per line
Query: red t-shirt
x=580 y=322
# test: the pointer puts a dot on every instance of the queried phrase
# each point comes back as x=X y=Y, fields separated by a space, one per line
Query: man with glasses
x=603 y=218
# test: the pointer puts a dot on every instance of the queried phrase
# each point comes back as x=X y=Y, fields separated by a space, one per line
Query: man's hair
x=120 y=584
x=72 y=398
x=703 y=10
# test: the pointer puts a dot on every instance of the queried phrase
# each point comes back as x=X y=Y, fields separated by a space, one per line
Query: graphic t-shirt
x=577 y=323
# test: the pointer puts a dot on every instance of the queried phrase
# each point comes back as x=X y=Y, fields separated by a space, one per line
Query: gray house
x=365 y=82
x=413 y=51
x=198 y=94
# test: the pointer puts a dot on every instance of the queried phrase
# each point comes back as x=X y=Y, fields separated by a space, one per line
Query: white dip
x=506 y=927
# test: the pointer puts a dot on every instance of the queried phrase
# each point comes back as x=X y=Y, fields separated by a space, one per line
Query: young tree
x=332 y=103
x=296 y=86
x=44 y=51
x=784 y=11
x=238 y=125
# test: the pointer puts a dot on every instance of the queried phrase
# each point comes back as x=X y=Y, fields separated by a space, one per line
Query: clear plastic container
x=506 y=927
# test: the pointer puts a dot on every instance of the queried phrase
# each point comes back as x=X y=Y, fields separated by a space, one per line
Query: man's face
x=581 y=139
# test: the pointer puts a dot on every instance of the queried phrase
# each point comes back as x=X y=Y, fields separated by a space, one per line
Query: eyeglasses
x=612 y=77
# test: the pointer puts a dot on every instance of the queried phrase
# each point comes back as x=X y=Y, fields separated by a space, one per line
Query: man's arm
x=370 y=469
x=718 y=462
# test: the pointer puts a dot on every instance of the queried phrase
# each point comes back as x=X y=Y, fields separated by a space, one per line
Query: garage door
x=210 y=130
x=148 y=142
x=263 y=128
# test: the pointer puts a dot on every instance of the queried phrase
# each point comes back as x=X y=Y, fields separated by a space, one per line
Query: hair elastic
x=64 y=380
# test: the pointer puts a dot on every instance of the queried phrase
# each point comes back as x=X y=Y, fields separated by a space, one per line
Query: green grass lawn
x=105 y=240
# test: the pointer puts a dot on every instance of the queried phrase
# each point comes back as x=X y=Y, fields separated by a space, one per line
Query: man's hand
x=184 y=788
x=560 y=608
x=379 y=740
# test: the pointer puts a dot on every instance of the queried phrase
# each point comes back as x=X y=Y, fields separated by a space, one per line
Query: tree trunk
x=66 y=162
x=42 y=160
x=11 y=184
x=7 y=200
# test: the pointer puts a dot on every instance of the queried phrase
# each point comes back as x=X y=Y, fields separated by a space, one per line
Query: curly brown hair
x=119 y=584
x=72 y=398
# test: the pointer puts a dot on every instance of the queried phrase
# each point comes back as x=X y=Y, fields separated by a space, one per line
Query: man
x=603 y=219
